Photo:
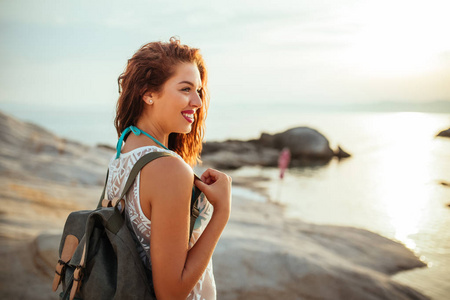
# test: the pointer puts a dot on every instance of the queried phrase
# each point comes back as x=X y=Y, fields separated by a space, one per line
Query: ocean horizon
x=95 y=125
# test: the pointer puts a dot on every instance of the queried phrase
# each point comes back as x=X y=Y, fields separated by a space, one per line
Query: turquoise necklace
x=136 y=131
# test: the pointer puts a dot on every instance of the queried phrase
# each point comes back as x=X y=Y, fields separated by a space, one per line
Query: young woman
x=164 y=98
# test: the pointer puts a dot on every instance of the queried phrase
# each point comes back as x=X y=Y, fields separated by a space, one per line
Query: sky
x=70 y=53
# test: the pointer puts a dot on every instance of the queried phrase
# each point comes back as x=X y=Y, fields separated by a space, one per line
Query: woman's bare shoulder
x=167 y=173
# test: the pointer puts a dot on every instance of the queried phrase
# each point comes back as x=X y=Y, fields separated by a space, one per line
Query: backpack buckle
x=78 y=273
x=59 y=274
x=115 y=202
x=77 y=278
x=119 y=203
x=70 y=244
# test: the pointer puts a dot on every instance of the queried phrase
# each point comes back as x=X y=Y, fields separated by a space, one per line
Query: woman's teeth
x=190 y=116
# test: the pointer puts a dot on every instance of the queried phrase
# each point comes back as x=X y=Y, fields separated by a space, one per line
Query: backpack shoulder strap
x=144 y=160
x=133 y=173
x=104 y=190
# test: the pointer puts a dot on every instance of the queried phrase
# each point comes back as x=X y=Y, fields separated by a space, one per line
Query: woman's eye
x=188 y=89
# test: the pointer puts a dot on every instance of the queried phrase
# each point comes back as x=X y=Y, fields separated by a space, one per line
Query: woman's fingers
x=205 y=176
x=217 y=188
x=210 y=176
x=200 y=184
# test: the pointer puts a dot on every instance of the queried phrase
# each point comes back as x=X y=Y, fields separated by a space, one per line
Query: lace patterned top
x=119 y=169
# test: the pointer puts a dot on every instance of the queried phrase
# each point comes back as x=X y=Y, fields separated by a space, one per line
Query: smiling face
x=174 y=108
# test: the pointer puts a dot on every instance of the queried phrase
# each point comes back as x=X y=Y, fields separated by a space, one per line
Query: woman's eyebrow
x=187 y=82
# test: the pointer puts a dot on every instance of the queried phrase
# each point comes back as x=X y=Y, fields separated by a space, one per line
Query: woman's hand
x=217 y=188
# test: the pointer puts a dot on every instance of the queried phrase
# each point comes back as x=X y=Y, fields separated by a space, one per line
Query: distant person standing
x=162 y=107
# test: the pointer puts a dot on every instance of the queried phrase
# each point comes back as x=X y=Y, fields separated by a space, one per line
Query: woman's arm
x=168 y=187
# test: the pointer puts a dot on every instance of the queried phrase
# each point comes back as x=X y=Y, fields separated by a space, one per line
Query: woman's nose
x=196 y=101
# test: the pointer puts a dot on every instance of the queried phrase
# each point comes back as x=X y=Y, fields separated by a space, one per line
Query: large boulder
x=308 y=148
x=444 y=133
x=303 y=142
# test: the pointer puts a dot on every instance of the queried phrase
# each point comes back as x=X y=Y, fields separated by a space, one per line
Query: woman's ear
x=148 y=98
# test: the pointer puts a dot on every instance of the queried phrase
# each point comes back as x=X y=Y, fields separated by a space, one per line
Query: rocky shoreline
x=262 y=255
x=307 y=146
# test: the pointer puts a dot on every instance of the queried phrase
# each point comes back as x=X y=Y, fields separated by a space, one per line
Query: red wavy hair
x=149 y=68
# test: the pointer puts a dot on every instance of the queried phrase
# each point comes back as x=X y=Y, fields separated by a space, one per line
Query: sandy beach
x=261 y=255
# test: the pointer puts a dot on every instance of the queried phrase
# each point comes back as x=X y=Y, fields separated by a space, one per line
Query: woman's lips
x=188 y=115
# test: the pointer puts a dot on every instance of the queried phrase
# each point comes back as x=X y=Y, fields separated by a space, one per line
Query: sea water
x=391 y=185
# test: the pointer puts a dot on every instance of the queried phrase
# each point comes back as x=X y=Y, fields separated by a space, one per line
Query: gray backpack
x=98 y=253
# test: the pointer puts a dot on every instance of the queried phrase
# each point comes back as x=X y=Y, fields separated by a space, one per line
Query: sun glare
x=400 y=38
x=405 y=187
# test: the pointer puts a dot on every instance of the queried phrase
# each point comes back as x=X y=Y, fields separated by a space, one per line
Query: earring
x=150 y=102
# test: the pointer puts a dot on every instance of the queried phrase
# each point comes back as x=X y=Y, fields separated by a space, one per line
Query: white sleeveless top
x=119 y=170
